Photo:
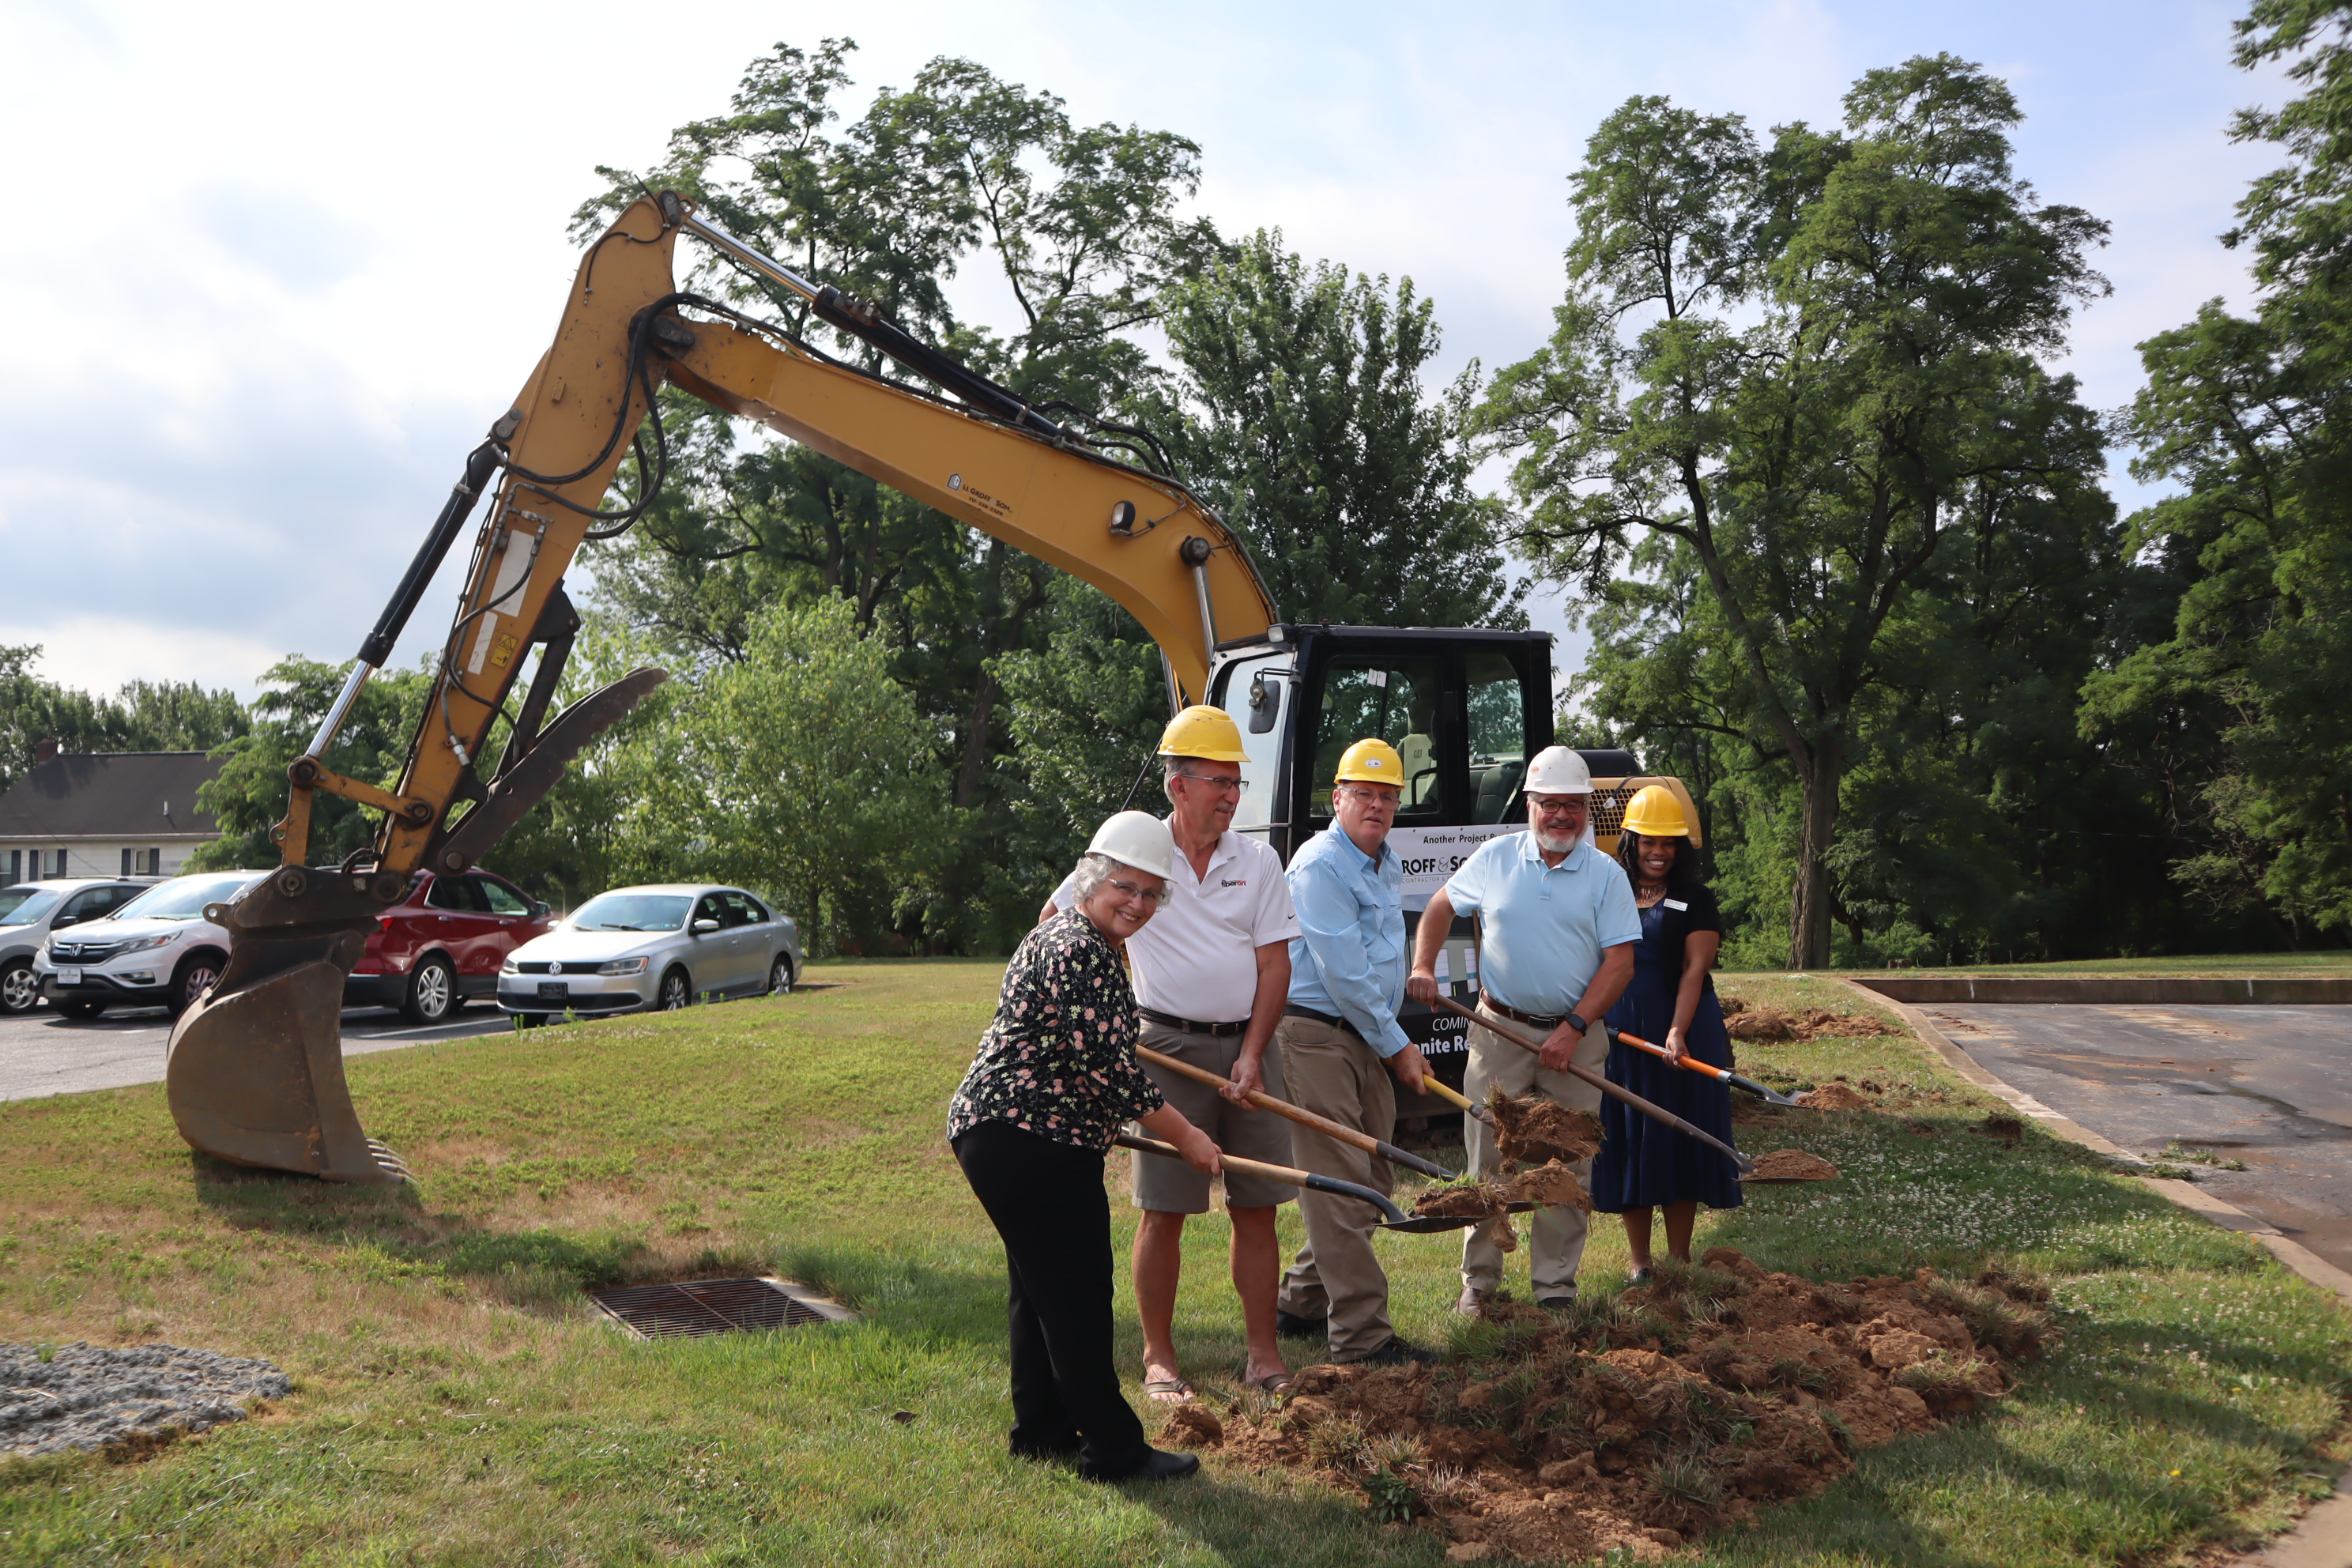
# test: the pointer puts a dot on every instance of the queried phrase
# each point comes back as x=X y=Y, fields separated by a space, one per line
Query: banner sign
x=1431 y=855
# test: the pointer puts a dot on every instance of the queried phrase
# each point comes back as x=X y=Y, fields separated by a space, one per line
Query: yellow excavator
x=254 y=1073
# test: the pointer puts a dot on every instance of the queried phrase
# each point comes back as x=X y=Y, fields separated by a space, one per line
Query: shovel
x=1305 y=1118
x=1721 y=1075
x=1392 y=1216
x=1655 y=1113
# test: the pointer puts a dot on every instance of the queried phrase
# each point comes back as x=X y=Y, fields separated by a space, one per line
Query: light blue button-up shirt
x=1348 y=958
x=1543 y=927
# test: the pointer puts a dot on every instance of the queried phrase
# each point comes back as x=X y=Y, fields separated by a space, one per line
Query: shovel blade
x=254 y=1073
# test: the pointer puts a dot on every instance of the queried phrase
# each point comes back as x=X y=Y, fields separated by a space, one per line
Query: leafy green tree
x=1301 y=416
x=145 y=716
x=1795 y=364
x=2239 y=716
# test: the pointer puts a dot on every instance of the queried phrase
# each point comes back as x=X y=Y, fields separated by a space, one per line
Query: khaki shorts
x=1172 y=1186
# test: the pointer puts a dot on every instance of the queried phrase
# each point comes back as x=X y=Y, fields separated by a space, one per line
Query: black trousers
x=1046 y=1200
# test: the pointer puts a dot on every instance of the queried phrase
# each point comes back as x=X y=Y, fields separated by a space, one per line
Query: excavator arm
x=254 y=1070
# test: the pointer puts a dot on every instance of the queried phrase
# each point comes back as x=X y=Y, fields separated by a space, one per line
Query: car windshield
x=185 y=899
x=632 y=911
x=23 y=906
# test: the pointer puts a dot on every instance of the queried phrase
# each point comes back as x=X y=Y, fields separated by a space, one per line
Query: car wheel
x=780 y=975
x=194 y=976
x=20 y=988
x=432 y=992
x=75 y=1009
x=676 y=992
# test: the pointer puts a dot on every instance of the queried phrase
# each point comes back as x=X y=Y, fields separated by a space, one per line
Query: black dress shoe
x=1159 y=1464
x=1397 y=1352
x=1291 y=1326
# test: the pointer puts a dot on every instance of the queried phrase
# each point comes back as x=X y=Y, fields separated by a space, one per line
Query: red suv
x=443 y=943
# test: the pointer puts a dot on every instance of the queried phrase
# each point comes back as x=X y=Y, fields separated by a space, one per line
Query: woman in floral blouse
x=1054 y=1079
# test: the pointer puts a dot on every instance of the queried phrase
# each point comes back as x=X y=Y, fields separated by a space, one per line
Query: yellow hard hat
x=1655 y=813
x=1370 y=762
x=1201 y=731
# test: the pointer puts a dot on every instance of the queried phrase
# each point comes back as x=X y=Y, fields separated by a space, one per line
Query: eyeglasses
x=1133 y=891
x=1372 y=796
x=1575 y=804
x=1214 y=781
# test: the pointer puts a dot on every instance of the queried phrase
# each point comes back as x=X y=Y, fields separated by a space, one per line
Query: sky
x=278 y=266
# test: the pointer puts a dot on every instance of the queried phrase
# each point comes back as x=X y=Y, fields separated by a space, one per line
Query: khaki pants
x=1558 y=1245
x=1335 y=1274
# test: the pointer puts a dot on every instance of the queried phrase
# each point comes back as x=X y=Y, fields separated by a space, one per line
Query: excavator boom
x=254 y=1070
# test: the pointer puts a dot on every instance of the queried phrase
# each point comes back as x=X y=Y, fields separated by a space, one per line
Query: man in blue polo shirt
x=1557 y=924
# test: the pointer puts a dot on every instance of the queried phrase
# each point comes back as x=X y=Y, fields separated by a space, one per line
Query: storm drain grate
x=712 y=1307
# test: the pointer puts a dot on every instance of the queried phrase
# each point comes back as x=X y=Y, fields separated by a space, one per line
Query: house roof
x=127 y=794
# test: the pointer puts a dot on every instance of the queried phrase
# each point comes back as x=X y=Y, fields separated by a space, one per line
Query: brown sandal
x=1169 y=1390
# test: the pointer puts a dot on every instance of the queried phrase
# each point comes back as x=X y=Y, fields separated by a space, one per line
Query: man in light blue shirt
x=1341 y=1044
x=1557 y=924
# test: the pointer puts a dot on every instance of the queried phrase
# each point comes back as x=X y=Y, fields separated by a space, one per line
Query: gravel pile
x=86 y=1397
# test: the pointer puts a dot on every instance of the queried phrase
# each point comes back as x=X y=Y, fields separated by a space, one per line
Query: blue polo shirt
x=1349 y=959
x=1543 y=927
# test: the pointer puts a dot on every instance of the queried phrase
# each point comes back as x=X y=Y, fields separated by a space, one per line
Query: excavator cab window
x=1498 y=735
x=1390 y=698
x=1255 y=691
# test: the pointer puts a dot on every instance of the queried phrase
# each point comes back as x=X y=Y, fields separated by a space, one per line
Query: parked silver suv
x=29 y=911
x=157 y=951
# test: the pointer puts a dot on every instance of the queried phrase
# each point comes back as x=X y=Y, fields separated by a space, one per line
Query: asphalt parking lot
x=2270 y=1086
x=43 y=1053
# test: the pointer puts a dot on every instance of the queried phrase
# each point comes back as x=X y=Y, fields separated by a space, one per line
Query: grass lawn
x=456 y=1404
x=2333 y=964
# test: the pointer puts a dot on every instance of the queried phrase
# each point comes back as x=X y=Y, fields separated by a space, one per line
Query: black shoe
x=1397 y=1352
x=1159 y=1464
x=1562 y=1304
x=1291 y=1326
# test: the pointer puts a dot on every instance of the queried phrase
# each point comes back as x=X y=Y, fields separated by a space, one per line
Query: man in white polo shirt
x=1212 y=973
x=1556 y=923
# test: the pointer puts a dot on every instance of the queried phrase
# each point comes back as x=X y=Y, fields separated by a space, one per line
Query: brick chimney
x=45 y=751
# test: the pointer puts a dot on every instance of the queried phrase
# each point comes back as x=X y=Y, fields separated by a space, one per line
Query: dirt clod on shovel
x=1639 y=1424
x=1532 y=1130
x=1464 y=1200
x=1549 y=1182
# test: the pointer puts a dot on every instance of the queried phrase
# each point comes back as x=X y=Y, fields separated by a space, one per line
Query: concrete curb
x=2324 y=1537
x=2092 y=990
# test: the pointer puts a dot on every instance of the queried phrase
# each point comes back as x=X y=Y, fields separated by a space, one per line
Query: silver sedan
x=652 y=949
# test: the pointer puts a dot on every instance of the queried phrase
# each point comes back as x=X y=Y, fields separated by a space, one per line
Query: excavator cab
x=1465 y=708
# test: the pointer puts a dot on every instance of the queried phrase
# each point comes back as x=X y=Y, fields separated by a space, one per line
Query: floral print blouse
x=1059 y=1060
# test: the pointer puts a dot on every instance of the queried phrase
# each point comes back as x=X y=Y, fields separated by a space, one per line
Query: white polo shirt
x=1197 y=958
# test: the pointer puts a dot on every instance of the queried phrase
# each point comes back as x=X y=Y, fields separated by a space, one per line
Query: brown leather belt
x=1193 y=1026
x=1537 y=1020
x=1332 y=1019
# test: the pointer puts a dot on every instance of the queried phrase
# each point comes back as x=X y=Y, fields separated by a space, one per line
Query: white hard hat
x=1556 y=770
x=1137 y=838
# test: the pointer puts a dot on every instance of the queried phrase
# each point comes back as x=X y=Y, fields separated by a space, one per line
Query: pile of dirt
x=1793 y=1165
x=1837 y=1097
x=1643 y=1421
x=1532 y=1130
x=1770 y=1025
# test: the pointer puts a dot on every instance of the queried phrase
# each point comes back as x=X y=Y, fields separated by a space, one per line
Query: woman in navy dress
x=1644 y=1164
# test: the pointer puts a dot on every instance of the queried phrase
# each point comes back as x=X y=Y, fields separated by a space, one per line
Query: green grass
x=2334 y=964
x=456 y=1404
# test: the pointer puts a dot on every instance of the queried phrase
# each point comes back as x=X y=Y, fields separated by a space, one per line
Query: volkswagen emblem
x=555 y=969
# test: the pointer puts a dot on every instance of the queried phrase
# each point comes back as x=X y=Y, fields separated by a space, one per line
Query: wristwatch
x=1577 y=1019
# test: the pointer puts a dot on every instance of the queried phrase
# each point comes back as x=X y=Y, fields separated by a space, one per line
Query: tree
x=1301 y=415
x=1795 y=364
x=801 y=768
x=144 y=716
x=2238 y=717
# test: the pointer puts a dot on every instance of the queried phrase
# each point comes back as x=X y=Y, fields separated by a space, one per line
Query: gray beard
x=1556 y=843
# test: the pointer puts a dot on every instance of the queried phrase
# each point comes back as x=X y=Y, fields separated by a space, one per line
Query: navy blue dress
x=1644 y=1163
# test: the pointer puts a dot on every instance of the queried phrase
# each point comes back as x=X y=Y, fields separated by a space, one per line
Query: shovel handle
x=1338 y=1131
x=1721 y=1075
x=1390 y=1213
x=1655 y=1112
x=1456 y=1099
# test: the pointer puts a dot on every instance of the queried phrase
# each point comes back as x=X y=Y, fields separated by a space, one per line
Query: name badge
x=1676 y=904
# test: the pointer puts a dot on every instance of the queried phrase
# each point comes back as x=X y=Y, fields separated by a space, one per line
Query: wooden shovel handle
x=1339 y=1131
x=1390 y=1213
x=1655 y=1112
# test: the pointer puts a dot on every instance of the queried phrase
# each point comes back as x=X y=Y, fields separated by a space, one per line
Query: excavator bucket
x=255 y=1071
